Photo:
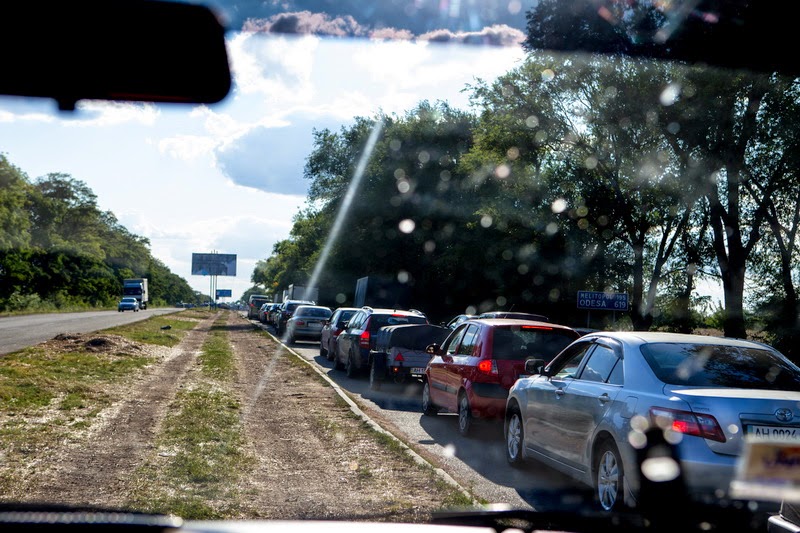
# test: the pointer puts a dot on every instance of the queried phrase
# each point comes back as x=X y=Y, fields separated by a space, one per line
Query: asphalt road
x=17 y=332
x=478 y=462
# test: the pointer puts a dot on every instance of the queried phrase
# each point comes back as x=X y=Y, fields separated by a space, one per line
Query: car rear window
x=378 y=321
x=519 y=343
x=316 y=312
x=707 y=365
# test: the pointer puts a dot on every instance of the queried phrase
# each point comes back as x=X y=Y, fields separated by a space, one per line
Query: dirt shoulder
x=300 y=452
x=314 y=457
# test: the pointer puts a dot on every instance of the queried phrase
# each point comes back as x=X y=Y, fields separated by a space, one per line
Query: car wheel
x=464 y=415
x=337 y=362
x=330 y=352
x=374 y=379
x=350 y=366
x=427 y=404
x=608 y=476
x=322 y=351
x=515 y=438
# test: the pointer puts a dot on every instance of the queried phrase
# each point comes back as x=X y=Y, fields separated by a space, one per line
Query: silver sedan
x=584 y=412
x=307 y=322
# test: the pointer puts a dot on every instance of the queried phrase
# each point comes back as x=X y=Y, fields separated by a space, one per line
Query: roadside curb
x=447 y=478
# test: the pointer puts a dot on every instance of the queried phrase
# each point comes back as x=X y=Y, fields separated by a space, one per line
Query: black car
x=355 y=342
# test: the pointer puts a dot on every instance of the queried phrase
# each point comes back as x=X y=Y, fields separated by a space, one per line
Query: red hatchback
x=472 y=371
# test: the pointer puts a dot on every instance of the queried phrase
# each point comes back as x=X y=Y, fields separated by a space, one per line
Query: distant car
x=354 y=343
x=577 y=416
x=514 y=314
x=331 y=330
x=307 y=322
x=474 y=368
x=262 y=312
x=269 y=312
x=285 y=312
x=128 y=303
x=454 y=322
x=255 y=302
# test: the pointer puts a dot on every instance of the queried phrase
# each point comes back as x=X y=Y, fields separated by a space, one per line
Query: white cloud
x=99 y=114
x=9 y=117
x=276 y=67
x=187 y=147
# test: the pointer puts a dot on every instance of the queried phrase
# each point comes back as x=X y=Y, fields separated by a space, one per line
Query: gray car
x=582 y=413
x=306 y=322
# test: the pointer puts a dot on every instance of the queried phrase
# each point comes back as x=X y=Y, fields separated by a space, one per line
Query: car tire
x=330 y=352
x=464 y=415
x=608 y=477
x=428 y=408
x=322 y=351
x=515 y=437
x=350 y=366
x=374 y=379
x=337 y=363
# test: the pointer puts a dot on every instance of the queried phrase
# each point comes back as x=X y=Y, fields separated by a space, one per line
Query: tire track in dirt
x=97 y=471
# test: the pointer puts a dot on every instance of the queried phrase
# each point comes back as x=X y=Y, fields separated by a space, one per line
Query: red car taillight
x=363 y=340
x=687 y=422
x=488 y=366
x=299 y=323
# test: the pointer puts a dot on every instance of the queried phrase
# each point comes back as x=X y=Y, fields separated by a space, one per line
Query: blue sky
x=228 y=177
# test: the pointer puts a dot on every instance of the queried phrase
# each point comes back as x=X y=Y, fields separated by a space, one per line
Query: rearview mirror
x=128 y=50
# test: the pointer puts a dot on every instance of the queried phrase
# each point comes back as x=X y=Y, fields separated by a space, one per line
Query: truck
x=136 y=287
x=400 y=352
x=376 y=291
x=299 y=292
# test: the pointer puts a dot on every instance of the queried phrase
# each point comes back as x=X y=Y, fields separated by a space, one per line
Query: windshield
x=455 y=158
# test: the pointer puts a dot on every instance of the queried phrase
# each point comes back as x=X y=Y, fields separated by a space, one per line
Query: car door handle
x=604 y=398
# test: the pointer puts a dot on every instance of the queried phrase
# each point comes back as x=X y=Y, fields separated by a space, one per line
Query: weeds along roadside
x=52 y=393
x=200 y=450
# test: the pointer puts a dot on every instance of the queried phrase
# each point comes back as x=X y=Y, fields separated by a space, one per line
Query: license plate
x=774 y=432
x=417 y=371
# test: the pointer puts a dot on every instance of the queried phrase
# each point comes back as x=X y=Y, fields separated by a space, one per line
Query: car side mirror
x=534 y=366
x=431 y=349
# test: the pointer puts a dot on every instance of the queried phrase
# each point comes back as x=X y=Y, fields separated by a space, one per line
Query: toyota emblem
x=784 y=415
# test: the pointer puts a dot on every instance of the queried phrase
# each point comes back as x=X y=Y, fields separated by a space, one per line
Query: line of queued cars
x=582 y=401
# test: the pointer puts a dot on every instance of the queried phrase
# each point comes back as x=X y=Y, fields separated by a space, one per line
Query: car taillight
x=363 y=340
x=299 y=323
x=488 y=366
x=687 y=422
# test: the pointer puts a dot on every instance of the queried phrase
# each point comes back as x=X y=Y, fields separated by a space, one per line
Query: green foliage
x=59 y=252
x=573 y=174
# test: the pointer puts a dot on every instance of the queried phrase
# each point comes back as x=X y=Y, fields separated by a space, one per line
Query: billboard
x=224 y=293
x=213 y=264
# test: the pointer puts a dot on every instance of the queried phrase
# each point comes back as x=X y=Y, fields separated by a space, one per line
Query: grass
x=204 y=442
x=47 y=396
x=154 y=330
x=31 y=378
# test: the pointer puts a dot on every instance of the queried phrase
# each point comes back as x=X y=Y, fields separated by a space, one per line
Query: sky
x=228 y=177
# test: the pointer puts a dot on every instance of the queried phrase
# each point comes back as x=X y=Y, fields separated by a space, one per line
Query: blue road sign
x=607 y=301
